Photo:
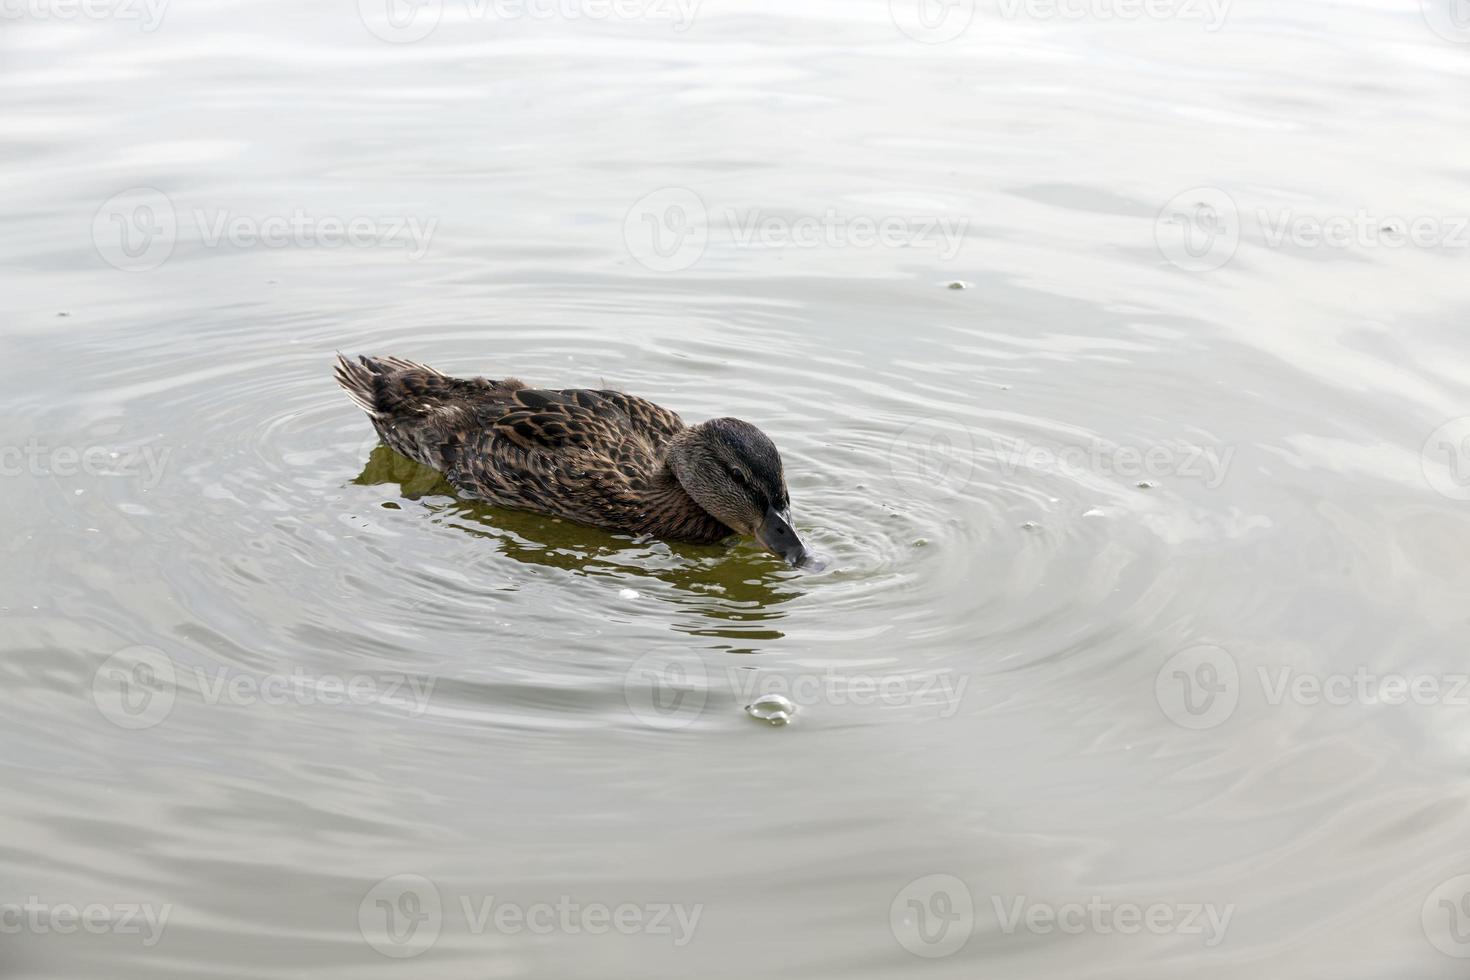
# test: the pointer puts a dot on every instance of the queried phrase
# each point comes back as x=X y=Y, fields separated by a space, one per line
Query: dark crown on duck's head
x=732 y=470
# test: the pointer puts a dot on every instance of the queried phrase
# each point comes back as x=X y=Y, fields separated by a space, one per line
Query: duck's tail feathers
x=362 y=379
x=357 y=381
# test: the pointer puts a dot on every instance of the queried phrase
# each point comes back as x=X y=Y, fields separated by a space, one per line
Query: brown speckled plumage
x=591 y=456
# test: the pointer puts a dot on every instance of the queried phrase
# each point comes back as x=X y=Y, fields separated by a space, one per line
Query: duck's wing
x=575 y=453
x=656 y=423
x=587 y=455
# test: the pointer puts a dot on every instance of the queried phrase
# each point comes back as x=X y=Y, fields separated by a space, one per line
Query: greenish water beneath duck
x=1141 y=645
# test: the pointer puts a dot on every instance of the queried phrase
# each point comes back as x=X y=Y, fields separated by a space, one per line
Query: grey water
x=1117 y=354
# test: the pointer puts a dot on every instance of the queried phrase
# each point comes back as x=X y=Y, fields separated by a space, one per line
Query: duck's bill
x=778 y=536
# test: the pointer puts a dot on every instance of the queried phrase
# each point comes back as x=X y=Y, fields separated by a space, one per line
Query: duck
x=596 y=457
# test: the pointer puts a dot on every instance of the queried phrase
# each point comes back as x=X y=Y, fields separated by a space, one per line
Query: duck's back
x=588 y=455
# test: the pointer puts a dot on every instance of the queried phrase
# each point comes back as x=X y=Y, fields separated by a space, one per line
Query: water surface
x=1092 y=519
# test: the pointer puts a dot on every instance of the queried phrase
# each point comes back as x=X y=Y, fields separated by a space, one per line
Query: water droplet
x=1030 y=526
x=957 y=284
x=1147 y=484
x=628 y=594
x=772 y=708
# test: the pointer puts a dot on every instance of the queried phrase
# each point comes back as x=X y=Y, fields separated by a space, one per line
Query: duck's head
x=733 y=471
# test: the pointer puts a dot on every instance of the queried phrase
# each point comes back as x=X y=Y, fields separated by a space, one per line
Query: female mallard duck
x=602 y=458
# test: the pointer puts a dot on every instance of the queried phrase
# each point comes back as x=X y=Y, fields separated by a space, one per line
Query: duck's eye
x=740 y=476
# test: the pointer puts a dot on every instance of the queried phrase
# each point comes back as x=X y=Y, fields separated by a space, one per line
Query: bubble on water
x=628 y=594
x=771 y=708
x=1030 y=526
x=1147 y=484
x=813 y=562
x=958 y=284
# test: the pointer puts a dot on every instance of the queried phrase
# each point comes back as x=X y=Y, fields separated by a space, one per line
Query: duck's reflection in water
x=733 y=592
